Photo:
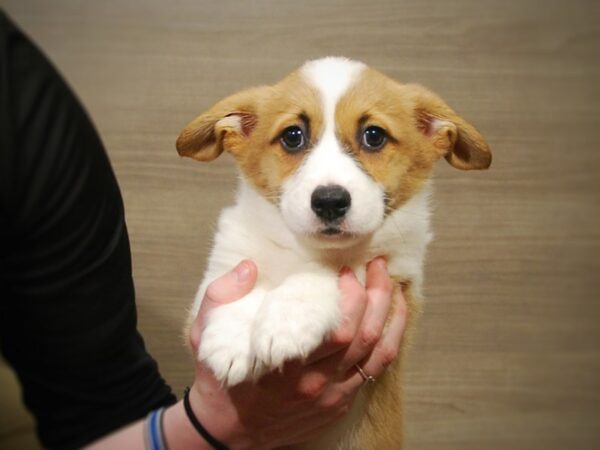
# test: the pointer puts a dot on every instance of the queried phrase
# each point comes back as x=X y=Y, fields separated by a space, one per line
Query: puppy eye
x=292 y=139
x=373 y=138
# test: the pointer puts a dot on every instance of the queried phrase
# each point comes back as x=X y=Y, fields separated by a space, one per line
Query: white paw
x=294 y=320
x=225 y=346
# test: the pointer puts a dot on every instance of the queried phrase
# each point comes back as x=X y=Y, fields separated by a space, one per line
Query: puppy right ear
x=451 y=135
x=226 y=125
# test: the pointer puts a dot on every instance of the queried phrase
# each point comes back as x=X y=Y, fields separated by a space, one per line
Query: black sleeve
x=67 y=309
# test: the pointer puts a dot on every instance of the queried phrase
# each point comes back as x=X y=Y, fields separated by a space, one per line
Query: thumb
x=231 y=286
x=228 y=288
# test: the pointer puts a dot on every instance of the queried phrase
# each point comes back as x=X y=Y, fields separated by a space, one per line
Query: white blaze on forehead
x=332 y=77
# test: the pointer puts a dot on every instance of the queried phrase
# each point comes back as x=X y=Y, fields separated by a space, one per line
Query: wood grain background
x=508 y=351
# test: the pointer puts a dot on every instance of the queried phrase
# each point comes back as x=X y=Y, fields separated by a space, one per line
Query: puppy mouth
x=332 y=236
x=334 y=232
x=331 y=231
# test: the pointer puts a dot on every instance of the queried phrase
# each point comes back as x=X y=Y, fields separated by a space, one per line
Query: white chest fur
x=295 y=301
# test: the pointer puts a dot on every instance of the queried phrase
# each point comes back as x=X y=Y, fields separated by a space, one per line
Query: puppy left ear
x=222 y=127
x=451 y=135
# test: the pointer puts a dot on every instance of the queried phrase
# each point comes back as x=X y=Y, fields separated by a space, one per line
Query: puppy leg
x=382 y=424
x=225 y=344
x=296 y=317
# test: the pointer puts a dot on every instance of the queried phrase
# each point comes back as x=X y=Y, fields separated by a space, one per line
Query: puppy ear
x=451 y=135
x=222 y=127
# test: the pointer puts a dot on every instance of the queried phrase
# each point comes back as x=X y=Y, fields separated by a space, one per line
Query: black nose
x=330 y=202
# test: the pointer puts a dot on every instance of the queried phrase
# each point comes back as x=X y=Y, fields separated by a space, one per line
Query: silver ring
x=368 y=379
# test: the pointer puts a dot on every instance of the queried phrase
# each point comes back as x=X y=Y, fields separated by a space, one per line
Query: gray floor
x=507 y=354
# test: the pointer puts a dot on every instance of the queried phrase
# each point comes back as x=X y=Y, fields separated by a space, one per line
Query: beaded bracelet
x=154 y=433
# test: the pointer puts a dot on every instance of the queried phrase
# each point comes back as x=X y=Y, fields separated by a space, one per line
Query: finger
x=225 y=289
x=387 y=349
x=379 y=295
x=352 y=306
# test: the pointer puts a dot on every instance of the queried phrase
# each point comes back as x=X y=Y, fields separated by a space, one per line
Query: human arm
x=67 y=301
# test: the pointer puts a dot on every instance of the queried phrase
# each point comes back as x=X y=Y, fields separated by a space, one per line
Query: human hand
x=296 y=404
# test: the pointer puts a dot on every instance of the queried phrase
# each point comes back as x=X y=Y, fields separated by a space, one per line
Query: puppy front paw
x=226 y=349
x=294 y=320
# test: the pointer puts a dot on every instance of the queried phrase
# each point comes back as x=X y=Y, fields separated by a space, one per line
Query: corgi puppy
x=335 y=162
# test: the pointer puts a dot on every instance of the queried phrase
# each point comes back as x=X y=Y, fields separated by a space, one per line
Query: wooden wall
x=507 y=354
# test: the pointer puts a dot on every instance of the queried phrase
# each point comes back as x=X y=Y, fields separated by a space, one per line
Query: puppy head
x=335 y=146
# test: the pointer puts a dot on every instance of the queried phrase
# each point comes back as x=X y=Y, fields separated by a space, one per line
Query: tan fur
x=249 y=124
x=266 y=111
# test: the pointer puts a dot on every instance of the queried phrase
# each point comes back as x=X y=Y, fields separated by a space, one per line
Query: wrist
x=179 y=432
x=220 y=423
x=213 y=408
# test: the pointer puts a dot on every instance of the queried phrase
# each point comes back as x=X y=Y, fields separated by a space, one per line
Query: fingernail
x=381 y=262
x=344 y=270
x=242 y=271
